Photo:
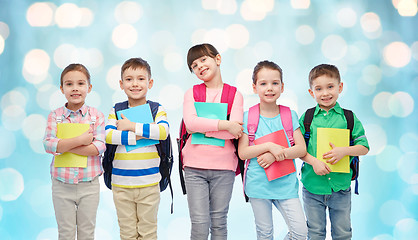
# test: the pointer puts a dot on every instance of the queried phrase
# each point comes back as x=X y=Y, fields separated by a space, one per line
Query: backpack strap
x=121 y=106
x=93 y=115
x=307 y=124
x=350 y=123
x=228 y=95
x=59 y=115
x=252 y=124
x=286 y=117
x=355 y=162
x=199 y=92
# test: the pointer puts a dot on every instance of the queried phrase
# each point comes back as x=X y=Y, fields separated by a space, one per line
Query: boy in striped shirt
x=135 y=175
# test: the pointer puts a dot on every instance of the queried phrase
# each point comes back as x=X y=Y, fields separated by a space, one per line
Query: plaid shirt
x=94 y=168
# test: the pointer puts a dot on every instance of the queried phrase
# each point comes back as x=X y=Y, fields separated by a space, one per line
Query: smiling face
x=75 y=86
x=325 y=90
x=206 y=68
x=135 y=83
x=269 y=85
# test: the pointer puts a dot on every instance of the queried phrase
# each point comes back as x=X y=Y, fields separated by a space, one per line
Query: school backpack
x=355 y=162
x=199 y=95
x=164 y=151
x=252 y=125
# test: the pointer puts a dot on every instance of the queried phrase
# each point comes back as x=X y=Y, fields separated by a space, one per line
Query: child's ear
x=311 y=92
x=150 y=83
x=121 y=84
x=62 y=89
x=89 y=90
x=340 y=87
x=218 y=59
x=254 y=89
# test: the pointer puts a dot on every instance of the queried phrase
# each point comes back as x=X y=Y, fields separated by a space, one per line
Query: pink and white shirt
x=83 y=115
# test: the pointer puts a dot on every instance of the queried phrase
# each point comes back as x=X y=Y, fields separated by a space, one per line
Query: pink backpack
x=199 y=95
x=252 y=125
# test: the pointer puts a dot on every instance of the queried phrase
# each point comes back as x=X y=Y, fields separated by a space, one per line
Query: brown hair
x=135 y=63
x=269 y=65
x=324 y=69
x=75 y=67
x=198 y=51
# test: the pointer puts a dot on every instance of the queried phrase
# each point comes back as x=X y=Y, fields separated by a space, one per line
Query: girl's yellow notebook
x=67 y=159
x=340 y=138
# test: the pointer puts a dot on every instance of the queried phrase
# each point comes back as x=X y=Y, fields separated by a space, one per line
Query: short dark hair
x=324 y=69
x=269 y=65
x=198 y=51
x=135 y=63
x=75 y=67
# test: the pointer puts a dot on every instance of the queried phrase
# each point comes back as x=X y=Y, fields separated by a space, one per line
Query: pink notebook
x=278 y=168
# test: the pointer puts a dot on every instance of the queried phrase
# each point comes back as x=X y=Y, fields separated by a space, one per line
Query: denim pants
x=339 y=207
x=208 y=195
x=291 y=210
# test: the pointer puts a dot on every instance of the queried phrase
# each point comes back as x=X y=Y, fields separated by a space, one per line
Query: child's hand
x=320 y=168
x=125 y=124
x=139 y=137
x=266 y=159
x=235 y=128
x=87 y=137
x=335 y=154
x=277 y=151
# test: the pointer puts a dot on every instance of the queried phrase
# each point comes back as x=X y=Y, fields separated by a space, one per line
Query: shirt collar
x=83 y=110
x=336 y=109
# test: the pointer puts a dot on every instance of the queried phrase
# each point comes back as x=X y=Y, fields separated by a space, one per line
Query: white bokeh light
x=162 y=42
x=87 y=17
x=4 y=30
x=305 y=34
x=68 y=15
x=218 y=38
x=334 y=47
x=300 y=4
x=173 y=62
x=8 y=142
x=407 y=8
x=376 y=137
x=113 y=76
x=238 y=36
x=62 y=55
x=256 y=10
x=372 y=74
x=414 y=50
x=210 y=4
x=56 y=100
x=12 y=184
x=408 y=167
x=36 y=63
x=12 y=117
x=1 y=44
x=198 y=36
x=171 y=97
x=263 y=50
x=397 y=54
x=227 y=7
x=94 y=99
x=401 y=104
x=391 y=212
x=13 y=97
x=40 y=14
x=371 y=25
x=388 y=159
x=124 y=36
x=409 y=142
x=381 y=104
x=128 y=12
x=33 y=127
x=347 y=17
x=244 y=81
x=43 y=95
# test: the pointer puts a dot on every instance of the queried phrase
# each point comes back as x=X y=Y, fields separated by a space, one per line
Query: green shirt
x=324 y=185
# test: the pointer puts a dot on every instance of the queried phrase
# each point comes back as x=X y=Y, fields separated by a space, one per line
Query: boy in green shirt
x=323 y=188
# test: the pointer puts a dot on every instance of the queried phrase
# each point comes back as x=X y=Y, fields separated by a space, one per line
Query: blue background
x=373 y=45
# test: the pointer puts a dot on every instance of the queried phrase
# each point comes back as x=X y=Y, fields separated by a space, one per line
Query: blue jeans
x=208 y=195
x=291 y=210
x=339 y=207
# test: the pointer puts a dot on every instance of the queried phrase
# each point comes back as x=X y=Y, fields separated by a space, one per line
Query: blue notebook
x=211 y=111
x=139 y=114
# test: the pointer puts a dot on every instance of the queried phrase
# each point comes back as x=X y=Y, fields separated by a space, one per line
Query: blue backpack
x=164 y=151
x=355 y=162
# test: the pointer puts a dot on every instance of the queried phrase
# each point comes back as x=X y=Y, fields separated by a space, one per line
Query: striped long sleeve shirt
x=138 y=167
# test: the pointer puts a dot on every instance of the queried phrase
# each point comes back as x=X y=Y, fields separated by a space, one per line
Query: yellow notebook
x=67 y=159
x=340 y=138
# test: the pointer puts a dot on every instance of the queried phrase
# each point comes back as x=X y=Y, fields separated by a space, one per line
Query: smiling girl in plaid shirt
x=75 y=191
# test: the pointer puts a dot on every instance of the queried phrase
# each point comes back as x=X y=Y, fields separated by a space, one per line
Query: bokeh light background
x=374 y=43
